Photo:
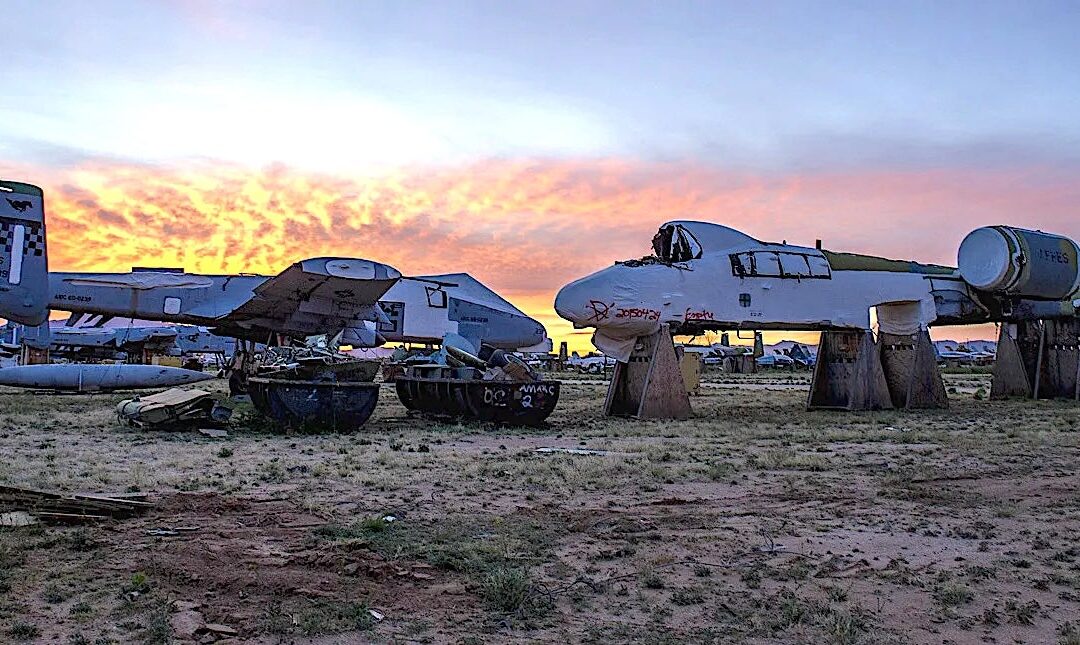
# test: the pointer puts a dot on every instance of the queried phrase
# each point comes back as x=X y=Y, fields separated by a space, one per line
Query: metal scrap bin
x=341 y=406
x=508 y=402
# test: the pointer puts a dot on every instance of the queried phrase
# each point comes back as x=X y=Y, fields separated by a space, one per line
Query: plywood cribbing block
x=1060 y=366
x=690 y=368
x=1038 y=359
x=33 y=355
x=650 y=385
x=1010 y=373
x=911 y=371
x=848 y=374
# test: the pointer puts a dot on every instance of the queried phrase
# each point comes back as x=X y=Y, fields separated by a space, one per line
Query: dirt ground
x=756 y=522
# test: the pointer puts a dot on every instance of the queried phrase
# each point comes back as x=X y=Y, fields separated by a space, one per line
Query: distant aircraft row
x=117 y=339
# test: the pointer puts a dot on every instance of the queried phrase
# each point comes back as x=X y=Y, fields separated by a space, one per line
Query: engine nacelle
x=1018 y=262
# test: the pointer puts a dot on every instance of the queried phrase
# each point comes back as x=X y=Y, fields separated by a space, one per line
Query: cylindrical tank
x=1019 y=262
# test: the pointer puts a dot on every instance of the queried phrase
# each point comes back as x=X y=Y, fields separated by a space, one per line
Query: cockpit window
x=673 y=243
x=780 y=264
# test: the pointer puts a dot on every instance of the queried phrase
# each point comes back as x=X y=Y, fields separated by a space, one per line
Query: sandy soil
x=756 y=522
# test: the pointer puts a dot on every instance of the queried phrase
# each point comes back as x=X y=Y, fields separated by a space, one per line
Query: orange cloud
x=523 y=226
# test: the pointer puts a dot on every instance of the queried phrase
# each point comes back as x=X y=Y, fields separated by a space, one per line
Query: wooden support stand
x=1012 y=378
x=1038 y=359
x=911 y=371
x=650 y=385
x=690 y=368
x=848 y=374
x=1060 y=373
x=33 y=355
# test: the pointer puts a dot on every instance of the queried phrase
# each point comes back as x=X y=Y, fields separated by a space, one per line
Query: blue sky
x=345 y=86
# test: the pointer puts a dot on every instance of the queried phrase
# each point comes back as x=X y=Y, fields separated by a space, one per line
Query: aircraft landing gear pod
x=24 y=268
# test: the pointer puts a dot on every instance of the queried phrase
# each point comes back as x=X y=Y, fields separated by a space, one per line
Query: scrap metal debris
x=458 y=358
x=492 y=364
x=17 y=518
x=315 y=387
x=171 y=531
x=68 y=509
x=571 y=451
x=315 y=363
x=175 y=408
x=490 y=385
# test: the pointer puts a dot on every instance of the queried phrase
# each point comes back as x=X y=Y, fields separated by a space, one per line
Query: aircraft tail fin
x=37 y=336
x=24 y=266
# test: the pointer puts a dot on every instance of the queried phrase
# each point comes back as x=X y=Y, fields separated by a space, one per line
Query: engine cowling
x=1019 y=262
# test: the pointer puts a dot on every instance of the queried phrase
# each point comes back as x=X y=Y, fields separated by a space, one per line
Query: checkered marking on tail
x=35 y=236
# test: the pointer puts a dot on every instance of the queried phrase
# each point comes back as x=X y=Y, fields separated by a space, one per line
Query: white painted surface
x=356 y=269
x=172 y=306
x=18 y=240
x=141 y=280
x=425 y=317
x=623 y=302
x=984 y=258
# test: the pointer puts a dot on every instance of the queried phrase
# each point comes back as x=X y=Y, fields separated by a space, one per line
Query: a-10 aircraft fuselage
x=411 y=309
x=707 y=277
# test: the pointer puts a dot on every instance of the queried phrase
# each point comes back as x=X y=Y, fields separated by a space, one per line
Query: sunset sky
x=531 y=143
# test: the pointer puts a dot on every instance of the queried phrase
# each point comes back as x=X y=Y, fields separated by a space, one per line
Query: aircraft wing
x=317 y=296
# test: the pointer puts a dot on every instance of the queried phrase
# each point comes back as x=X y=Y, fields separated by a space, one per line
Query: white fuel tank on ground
x=1019 y=262
x=104 y=376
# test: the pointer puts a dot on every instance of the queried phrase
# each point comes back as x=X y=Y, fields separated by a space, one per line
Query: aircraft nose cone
x=539 y=331
x=616 y=299
x=577 y=302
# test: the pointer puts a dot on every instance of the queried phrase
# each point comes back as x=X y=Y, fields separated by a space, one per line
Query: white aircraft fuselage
x=710 y=277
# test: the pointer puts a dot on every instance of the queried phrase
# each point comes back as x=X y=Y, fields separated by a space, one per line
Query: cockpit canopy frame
x=674 y=243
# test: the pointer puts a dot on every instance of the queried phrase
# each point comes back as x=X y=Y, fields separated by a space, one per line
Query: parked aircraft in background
x=119 y=338
x=979 y=352
x=591 y=364
x=367 y=303
x=774 y=360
